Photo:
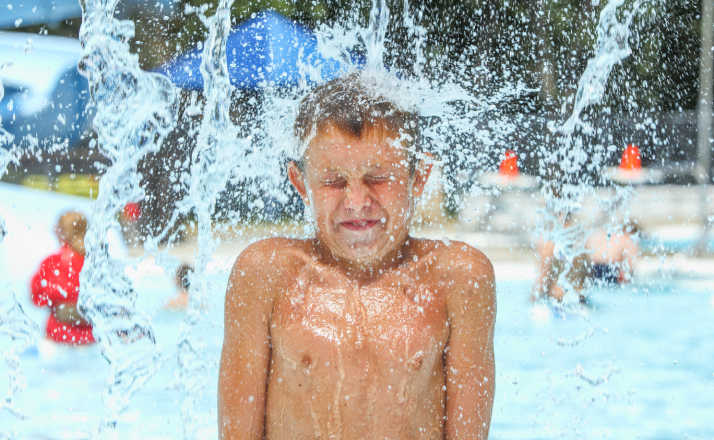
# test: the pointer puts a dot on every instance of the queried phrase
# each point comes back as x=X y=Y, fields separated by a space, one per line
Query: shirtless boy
x=361 y=332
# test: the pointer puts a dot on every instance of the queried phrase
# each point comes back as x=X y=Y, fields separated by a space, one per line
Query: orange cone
x=631 y=159
x=509 y=164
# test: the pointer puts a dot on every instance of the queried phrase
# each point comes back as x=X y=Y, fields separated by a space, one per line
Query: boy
x=612 y=255
x=56 y=284
x=362 y=332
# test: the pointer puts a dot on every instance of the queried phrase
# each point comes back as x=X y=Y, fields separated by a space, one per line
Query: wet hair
x=182 y=276
x=353 y=107
x=71 y=228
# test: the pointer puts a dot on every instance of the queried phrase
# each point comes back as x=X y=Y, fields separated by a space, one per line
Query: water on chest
x=364 y=329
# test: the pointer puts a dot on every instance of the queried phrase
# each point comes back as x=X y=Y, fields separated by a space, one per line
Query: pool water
x=637 y=363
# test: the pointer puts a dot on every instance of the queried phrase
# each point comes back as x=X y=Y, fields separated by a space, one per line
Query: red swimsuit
x=57 y=282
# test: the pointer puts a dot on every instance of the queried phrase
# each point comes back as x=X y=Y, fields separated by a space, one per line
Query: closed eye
x=376 y=180
x=335 y=183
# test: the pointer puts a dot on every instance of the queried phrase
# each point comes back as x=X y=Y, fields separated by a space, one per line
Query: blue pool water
x=637 y=363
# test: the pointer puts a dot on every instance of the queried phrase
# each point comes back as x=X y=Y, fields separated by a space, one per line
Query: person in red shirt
x=56 y=284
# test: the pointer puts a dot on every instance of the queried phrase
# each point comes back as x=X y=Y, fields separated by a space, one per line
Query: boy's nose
x=357 y=197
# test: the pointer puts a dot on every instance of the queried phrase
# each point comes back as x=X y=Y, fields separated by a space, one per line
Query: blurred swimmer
x=182 y=281
x=552 y=264
x=361 y=332
x=56 y=284
x=612 y=255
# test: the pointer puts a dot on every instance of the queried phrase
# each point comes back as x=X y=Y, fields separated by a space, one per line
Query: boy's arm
x=243 y=374
x=630 y=252
x=470 y=368
x=547 y=273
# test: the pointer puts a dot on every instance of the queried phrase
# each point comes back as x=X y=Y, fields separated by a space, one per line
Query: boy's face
x=360 y=192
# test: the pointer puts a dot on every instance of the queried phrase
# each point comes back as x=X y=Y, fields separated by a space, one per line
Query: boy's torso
x=359 y=360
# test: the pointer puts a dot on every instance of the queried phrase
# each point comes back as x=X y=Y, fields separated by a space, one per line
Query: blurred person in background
x=129 y=219
x=180 y=301
x=56 y=284
x=552 y=263
x=612 y=254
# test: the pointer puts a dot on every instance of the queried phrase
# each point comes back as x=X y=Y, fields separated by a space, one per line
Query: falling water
x=565 y=194
x=15 y=325
x=5 y=139
x=136 y=112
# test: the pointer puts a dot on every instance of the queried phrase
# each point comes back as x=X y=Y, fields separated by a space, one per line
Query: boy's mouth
x=359 y=225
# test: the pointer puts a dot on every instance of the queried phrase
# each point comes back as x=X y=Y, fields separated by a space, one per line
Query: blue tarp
x=266 y=50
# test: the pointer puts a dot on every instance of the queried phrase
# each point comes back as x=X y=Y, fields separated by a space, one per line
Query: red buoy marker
x=508 y=175
x=630 y=171
x=631 y=159
x=509 y=164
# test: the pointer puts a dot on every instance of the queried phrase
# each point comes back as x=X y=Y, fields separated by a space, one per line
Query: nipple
x=306 y=361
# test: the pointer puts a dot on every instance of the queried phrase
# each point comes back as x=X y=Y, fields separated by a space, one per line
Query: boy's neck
x=365 y=272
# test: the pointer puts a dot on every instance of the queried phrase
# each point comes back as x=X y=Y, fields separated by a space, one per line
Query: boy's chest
x=395 y=323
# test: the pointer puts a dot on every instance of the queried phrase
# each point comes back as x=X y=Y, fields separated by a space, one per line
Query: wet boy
x=362 y=332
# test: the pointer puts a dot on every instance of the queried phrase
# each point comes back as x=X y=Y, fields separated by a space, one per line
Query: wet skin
x=362 y=332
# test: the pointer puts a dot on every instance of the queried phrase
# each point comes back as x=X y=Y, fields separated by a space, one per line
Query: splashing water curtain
x=137 y=112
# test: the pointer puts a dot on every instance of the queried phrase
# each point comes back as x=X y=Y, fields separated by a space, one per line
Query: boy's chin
x=369 y=250
x=365 y=256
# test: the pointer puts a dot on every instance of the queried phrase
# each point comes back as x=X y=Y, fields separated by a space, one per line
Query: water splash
x=14 y=322
x=137 y=113
x=460 y=126
x=565 y=191
x=134 y=112
x=6 y=139
x=213 y=160
x=612 y=48
x=22 y=333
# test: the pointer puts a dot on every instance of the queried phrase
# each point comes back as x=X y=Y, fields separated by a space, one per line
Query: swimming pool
x=637 y=363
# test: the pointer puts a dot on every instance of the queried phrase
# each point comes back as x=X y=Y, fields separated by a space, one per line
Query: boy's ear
x=421 y=175
x=297 y=179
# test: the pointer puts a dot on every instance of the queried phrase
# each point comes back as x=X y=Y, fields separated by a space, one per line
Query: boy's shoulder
x=269 y=265
x=452 y=257
x=466 y=270
x=274 y=254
